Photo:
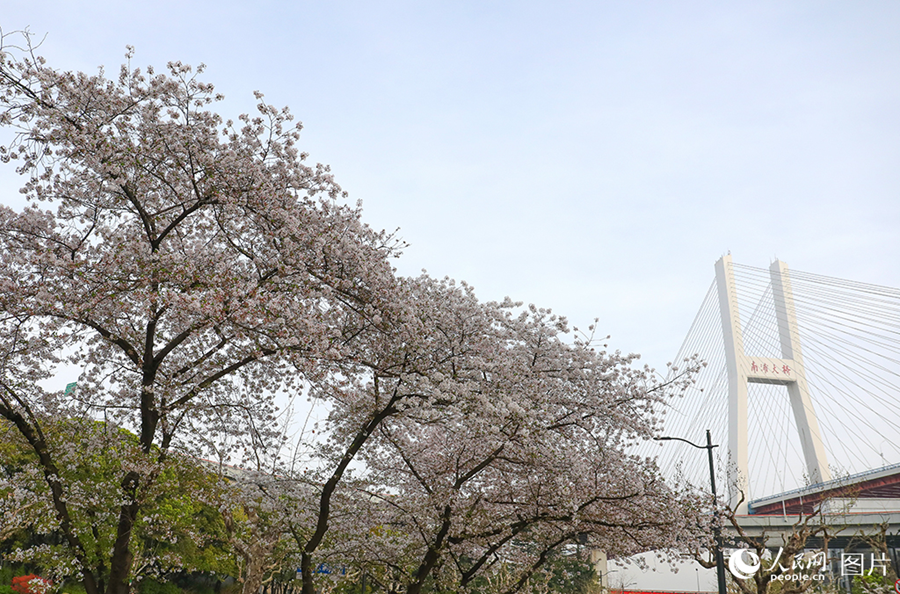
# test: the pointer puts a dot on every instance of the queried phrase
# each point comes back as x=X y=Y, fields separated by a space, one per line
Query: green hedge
x=149 y=586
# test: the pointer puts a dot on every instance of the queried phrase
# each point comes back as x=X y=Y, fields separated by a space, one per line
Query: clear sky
x=592 y=157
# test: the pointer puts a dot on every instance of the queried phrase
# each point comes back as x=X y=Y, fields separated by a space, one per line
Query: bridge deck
x=875 y=490
x=843 y=529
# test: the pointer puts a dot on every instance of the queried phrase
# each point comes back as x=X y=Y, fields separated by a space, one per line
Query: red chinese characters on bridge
x=783 y=369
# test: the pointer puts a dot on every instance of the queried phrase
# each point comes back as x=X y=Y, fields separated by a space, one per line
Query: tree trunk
x=306 y=574
x=120 y=563
x=433 y=555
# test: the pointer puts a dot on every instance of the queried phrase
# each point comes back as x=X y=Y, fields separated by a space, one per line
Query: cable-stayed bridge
x=801 y=388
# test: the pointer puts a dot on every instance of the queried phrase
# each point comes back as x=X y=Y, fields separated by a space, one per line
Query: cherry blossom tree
x=529 y=458
x=492 y=438
x=177 y=260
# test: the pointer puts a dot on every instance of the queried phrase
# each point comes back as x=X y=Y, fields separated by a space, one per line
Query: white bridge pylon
x=745 y=368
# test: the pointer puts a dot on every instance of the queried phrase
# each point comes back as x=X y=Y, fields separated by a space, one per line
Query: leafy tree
x=191 y=267
x=179 y=529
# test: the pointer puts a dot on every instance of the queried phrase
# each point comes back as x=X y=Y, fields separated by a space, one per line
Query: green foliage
x=9 y=571
x=73 y=588
x=150 y=586
x=570 y=575
x=177 y=529
x=870 y=584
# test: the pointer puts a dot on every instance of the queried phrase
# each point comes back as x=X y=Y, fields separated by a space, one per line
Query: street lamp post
x=717 y=531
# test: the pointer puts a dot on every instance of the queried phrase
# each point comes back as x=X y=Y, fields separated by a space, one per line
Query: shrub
x=31 y=584
x=153 y=587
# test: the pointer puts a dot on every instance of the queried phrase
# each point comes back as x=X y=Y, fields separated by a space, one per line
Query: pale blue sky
x=592 y=157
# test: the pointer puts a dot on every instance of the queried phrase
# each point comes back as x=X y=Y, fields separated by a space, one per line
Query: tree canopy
x=183 y=254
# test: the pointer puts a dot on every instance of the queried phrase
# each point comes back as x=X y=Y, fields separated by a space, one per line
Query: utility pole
x=717 y=528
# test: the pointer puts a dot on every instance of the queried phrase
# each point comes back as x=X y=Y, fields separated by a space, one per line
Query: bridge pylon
x=744 y=369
